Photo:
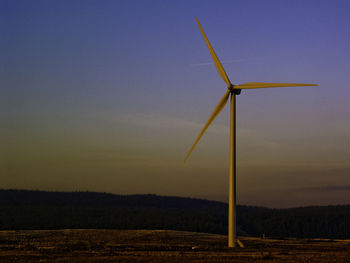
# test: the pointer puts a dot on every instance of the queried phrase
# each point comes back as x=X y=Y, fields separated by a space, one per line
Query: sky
x=109 y=96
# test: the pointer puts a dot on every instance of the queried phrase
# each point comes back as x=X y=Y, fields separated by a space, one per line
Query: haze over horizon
x=109 y=96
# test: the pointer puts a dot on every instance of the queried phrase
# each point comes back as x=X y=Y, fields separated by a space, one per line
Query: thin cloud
x=160 y=122
x=166 y=122
x=223 y=62
x=327 y=188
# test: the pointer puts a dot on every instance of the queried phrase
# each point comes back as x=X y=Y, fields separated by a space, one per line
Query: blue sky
x=110 y=95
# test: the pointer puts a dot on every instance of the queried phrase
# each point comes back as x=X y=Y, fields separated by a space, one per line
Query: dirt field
x=160 y=246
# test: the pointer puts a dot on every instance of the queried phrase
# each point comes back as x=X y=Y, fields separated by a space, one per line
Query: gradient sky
x=110 y=95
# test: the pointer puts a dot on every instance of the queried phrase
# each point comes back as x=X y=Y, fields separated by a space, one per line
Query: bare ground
x=161 y=246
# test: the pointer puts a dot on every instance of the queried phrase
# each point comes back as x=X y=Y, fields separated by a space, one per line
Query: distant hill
x=22 y=209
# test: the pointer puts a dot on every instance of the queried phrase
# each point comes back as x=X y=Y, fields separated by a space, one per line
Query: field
x=160 y=246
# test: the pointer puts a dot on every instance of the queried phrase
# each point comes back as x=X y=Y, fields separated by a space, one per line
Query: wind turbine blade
x=258 y=85
x=215 y=113
x=217 y=62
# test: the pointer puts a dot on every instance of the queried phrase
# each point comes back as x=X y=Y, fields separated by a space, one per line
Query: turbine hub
x=232 y=89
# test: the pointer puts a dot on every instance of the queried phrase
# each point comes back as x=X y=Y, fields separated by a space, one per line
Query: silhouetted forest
x=22 y=209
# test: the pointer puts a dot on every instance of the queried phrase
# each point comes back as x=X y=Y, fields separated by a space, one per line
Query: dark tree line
x=21 y=209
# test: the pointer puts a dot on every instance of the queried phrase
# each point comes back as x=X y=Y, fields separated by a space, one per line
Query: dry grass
x=160 y=246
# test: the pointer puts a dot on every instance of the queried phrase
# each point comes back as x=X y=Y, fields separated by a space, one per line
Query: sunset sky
x=109 y=96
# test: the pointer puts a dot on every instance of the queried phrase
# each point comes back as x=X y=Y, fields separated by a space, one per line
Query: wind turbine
x=232 y=91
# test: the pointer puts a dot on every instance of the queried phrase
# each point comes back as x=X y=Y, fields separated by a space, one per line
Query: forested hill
x=21 y=209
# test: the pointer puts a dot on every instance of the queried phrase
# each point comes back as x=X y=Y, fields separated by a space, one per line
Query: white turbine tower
x=232 y=91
